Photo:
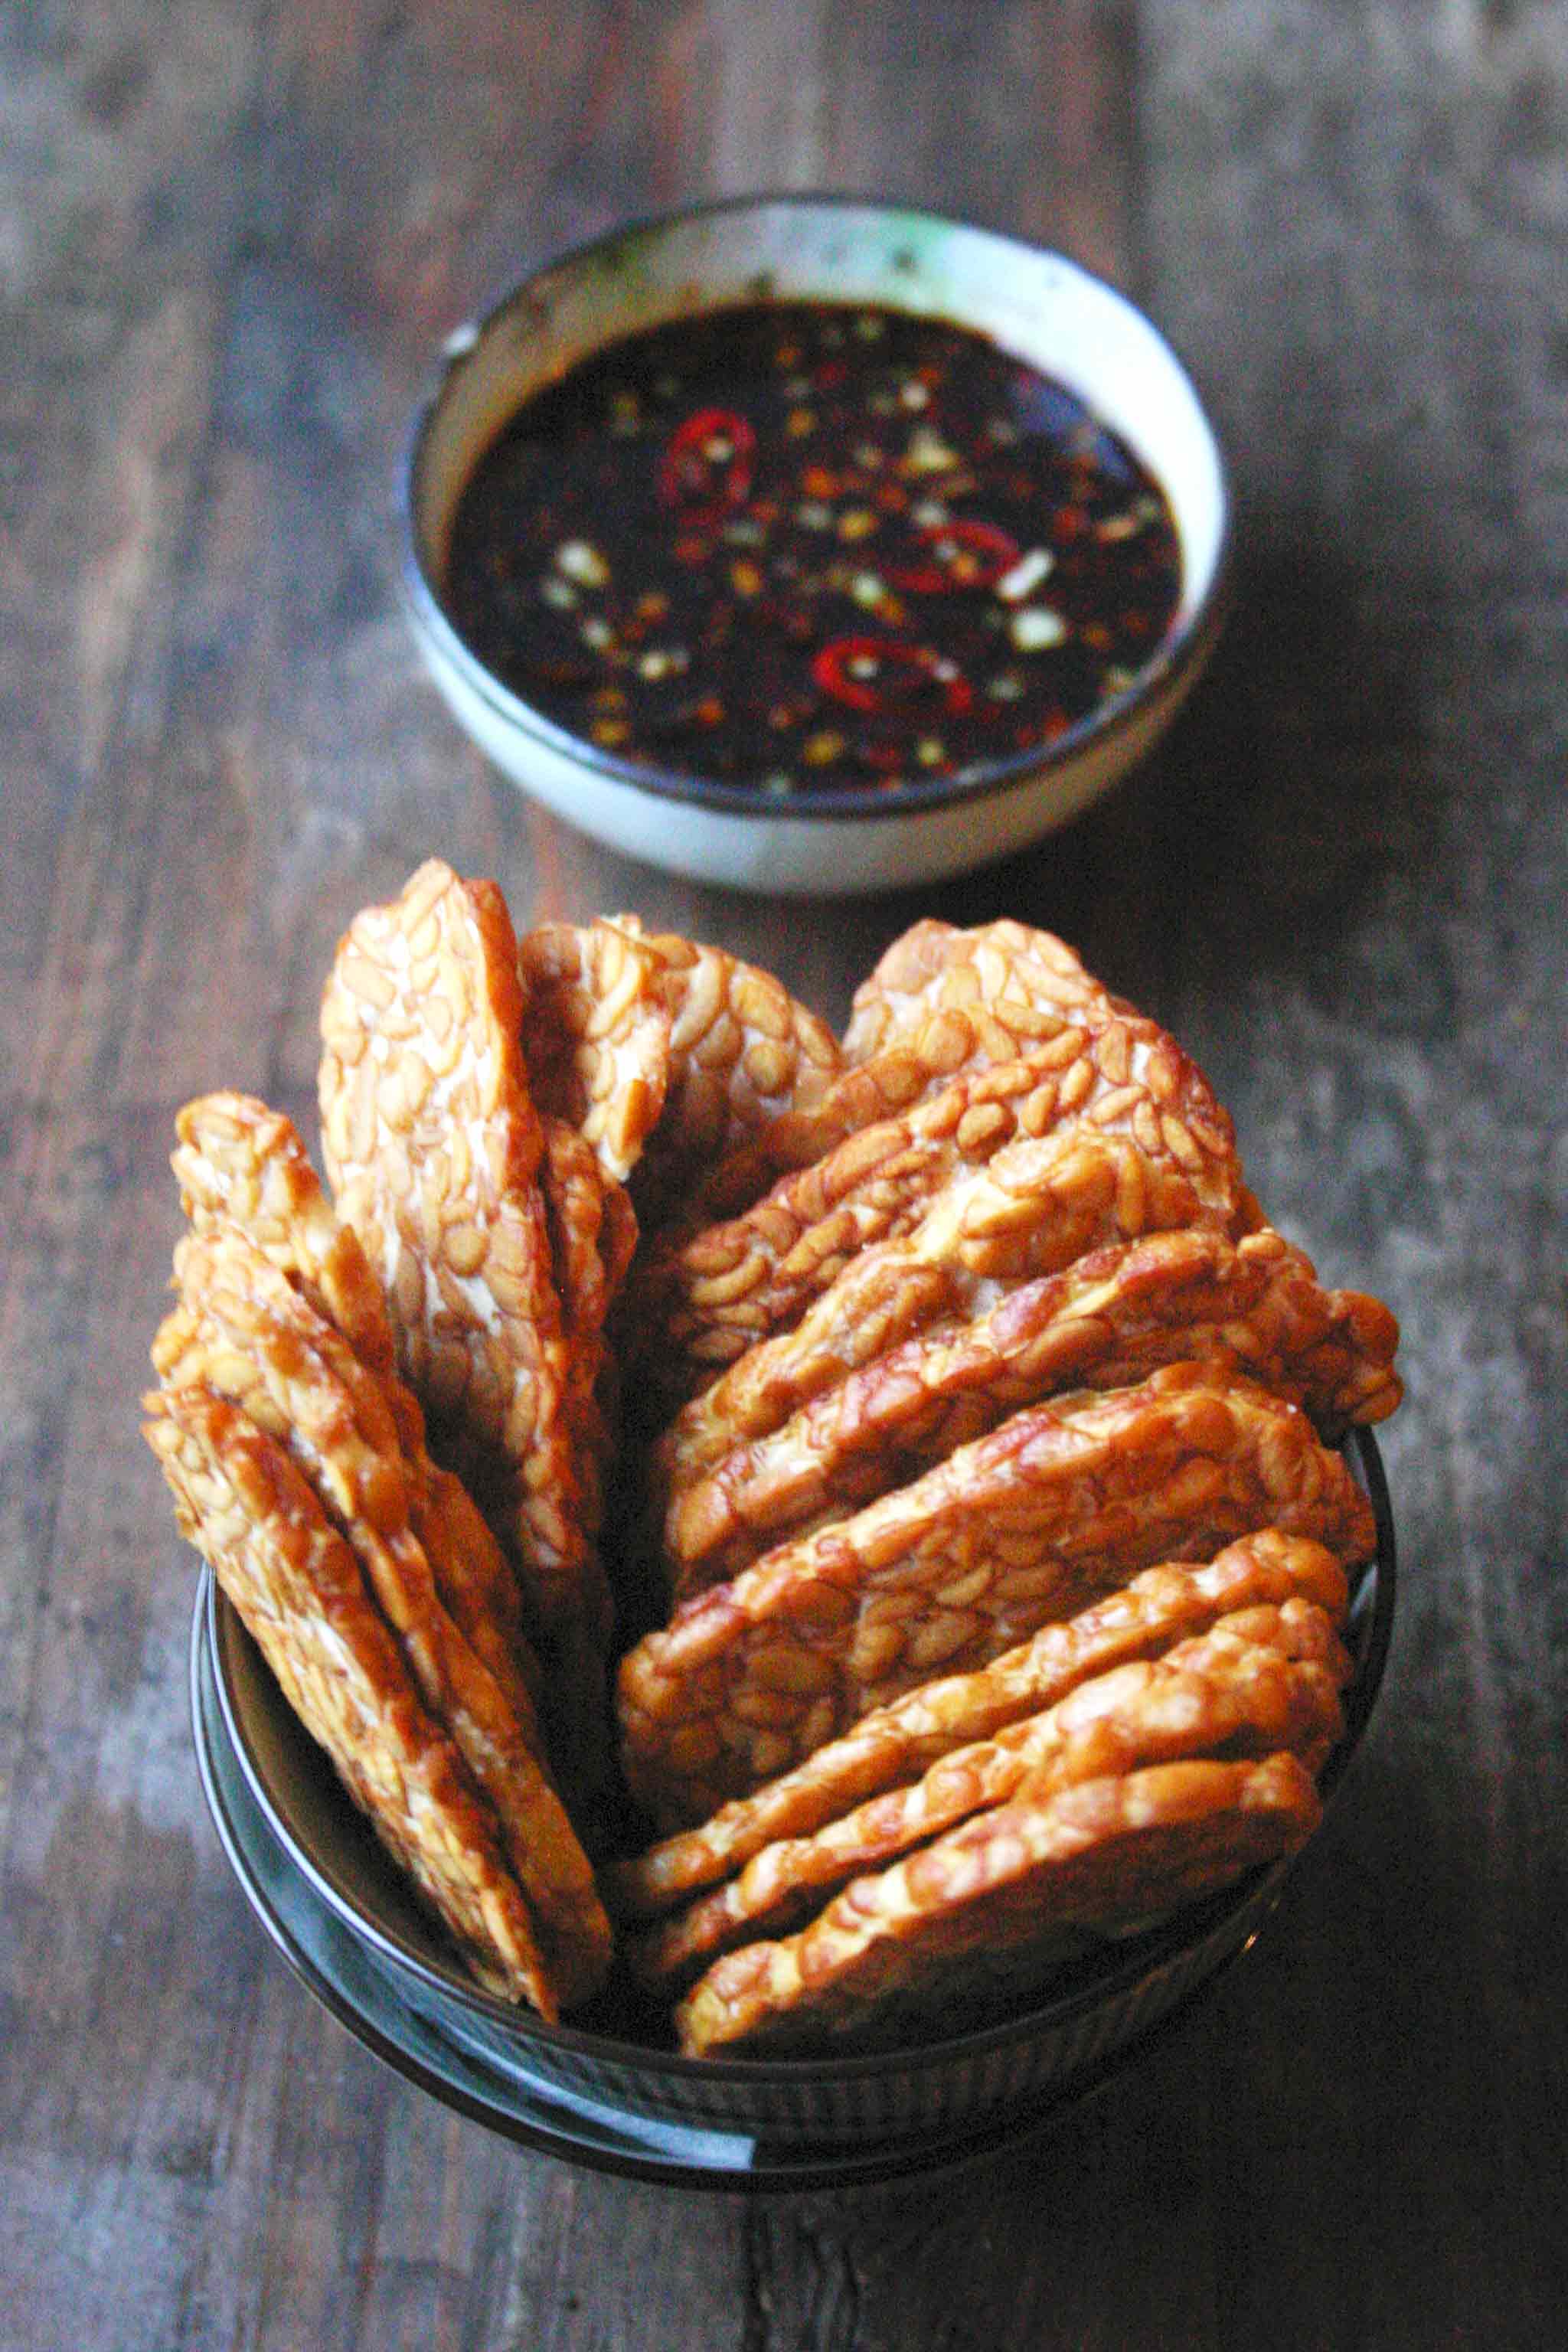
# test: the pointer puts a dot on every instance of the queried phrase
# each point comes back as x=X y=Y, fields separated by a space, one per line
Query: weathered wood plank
x=229 y=239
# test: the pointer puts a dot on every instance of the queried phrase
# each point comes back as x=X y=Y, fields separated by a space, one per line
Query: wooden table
x=231 y=236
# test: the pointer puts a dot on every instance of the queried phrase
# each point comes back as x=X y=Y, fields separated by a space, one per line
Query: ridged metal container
x=607 y=2091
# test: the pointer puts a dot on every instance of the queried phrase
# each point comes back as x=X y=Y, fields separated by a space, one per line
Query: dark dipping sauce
x=803 y=546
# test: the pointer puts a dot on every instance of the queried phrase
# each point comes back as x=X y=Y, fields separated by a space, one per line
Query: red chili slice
x=702 y=488
x=894 y=669
x=990 y=552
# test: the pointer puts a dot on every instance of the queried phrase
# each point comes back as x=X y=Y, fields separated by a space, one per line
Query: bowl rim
x=1122 y=1966
x=1184 y=645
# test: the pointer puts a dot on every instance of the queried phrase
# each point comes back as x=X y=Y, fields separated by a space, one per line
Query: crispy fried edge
x=300 y=1592
x=1236 y=1692
x=820 y=1587
x=1013 y=1879
x=323 y=1408
x=1162 y=1606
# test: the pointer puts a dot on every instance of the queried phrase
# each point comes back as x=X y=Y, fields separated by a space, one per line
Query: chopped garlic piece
x=1027 y=573
x=1036 y=627
x=583 y=564
x=928 y=453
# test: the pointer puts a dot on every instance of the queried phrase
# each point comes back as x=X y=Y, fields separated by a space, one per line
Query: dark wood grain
x=230 y=238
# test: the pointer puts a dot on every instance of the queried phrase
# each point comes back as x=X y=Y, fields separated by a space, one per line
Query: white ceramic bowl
x=1042 y=309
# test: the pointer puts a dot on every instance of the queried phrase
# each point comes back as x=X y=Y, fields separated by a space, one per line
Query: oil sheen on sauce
x=798 y=547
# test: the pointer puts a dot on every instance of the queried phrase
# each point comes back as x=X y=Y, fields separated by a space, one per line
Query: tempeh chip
x=434 y=1148
x=241 y=1163
x=596 y=1033
x=893 y=1744
x=243 y=1333
x=1272 y=1685
x=593 y=1234
x=698 y=1301
x=262 y=1528
x=1041 y=1203
x=1005 y=994
x=1001 y=1899
x=1010 y=984
x=1025 y=1526
x=743 y=1053
x=892 y=1410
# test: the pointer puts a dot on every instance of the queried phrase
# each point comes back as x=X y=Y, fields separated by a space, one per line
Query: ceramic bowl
x=607 y=2089
x=1043 y=310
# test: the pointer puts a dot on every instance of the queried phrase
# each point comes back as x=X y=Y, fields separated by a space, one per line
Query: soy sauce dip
x=809 y=546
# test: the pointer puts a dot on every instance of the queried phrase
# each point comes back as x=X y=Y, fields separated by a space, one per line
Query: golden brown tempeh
x=297 y=1584
x=1160 y=1607
x=1108 y=1318
x=1019 y=1882
x=1021 y=1527
x=1234 y=1691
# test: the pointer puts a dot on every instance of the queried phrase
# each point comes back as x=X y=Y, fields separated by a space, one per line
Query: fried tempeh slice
x=597 y=1034
x=1037 y=1206
x=593 y=1234
x=1007 y=1893
x=918 y=1045
x=893 y=1744
x=434 y=1149
x=1011 y=984
x=1024 y=1527
x=743 y=1053
x=1105 y=1321
x=244 y=1334
x=696 y=1303
x=1235 y=1692
x=241 y=1163
x=294 y=1579
x=972 y=999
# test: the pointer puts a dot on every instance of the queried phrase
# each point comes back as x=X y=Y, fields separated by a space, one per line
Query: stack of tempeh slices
x=950 y=1385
